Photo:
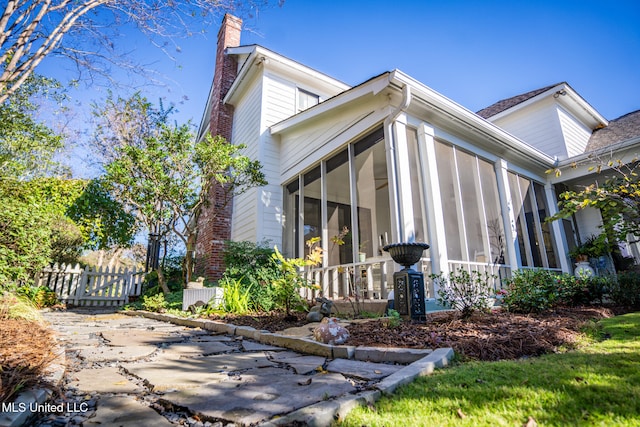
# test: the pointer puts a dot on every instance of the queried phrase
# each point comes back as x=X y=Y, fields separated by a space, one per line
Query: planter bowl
x=406 y=254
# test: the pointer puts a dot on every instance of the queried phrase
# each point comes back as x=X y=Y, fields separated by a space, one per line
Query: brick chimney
x=214 y=222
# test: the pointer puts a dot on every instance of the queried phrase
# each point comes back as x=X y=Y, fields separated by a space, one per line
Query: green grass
x=598 y=385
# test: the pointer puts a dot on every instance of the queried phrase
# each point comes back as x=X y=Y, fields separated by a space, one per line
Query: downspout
x=391 y=162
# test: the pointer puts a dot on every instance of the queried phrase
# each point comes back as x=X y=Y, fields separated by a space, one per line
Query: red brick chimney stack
x=214 y=223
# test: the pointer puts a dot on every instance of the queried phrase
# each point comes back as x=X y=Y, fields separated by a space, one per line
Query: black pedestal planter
x=408 y=284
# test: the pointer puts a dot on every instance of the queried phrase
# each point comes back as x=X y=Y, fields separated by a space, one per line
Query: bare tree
x=88 y=32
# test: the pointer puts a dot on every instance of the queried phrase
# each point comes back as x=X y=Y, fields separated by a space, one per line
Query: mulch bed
x=26 y=349
x=497 y=335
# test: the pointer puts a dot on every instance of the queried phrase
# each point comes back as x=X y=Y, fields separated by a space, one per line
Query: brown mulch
x=26 y=349
x=484 y=336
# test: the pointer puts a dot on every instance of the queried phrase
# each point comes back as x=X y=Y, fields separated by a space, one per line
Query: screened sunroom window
x=534 y=239
x=471 y=206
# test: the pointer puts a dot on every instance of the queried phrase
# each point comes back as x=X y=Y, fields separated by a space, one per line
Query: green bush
x=465 y=291
x=626 y=290
x=253 y=266
x=155 y=303
x=40 y=296
x=531 y=291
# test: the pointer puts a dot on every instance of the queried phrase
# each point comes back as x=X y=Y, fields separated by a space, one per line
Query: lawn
x=597 y=385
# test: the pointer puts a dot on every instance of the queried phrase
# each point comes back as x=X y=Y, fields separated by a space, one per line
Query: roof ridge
x=505 y=104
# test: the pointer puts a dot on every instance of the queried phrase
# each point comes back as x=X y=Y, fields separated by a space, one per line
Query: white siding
x=278 y=104
x=588 y=221
x=537 y=125
x=576 y=134
x=246 y=130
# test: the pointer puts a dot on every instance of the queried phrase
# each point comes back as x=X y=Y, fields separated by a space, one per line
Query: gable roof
x=619 y=130
x=507 y=103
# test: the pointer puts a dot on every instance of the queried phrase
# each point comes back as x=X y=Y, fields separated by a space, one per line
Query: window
x=470 y=201
x=533 y=236
x=306 y=100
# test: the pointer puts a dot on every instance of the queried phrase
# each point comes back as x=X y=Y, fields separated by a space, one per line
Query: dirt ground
x=485 y=336
x=26 y=348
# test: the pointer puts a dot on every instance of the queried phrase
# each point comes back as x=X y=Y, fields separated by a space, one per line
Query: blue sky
x=473 y=52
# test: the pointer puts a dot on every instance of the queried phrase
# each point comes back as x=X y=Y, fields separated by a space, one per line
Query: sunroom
x=393 y=161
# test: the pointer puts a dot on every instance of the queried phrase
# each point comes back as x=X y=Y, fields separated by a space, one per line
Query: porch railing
x=373 y=278
x=370 y=279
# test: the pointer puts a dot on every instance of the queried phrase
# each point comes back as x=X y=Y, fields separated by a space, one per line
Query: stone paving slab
x=192 y=349
x=103 y=380
x=168 y=374
x=254 y=346
x=116 y=354
x=125 y=412
x=362 y=370
x=304 y=364
x=257 y=398
x=122 y=338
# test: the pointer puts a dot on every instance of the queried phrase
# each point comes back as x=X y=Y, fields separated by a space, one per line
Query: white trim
x=508 y=213
x=433 y=201
x=560 y=239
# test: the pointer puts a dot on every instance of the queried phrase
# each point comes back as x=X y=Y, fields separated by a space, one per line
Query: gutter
x=391 y=157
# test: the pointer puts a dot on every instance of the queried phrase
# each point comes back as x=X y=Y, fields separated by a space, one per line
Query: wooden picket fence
x=92 y=287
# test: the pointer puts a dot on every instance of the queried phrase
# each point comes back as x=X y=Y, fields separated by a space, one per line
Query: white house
x=392 y=160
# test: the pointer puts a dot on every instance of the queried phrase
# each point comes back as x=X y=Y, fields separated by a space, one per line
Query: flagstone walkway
x=131 y=371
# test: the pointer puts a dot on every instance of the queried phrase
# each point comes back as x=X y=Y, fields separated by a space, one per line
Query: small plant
x=465 y=291
x=236 y=299
x=393 y=320
x=155 y=303
x=288 y=285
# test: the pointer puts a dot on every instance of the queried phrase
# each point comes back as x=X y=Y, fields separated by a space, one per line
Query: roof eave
x=469 y=118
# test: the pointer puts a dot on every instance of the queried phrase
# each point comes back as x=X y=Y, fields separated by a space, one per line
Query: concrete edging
x=419 y=363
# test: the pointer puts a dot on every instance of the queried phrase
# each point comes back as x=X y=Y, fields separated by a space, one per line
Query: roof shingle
x=505 y=104
x=619 y=130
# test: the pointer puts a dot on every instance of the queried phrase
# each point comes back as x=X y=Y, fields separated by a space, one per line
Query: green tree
x=161 y=174
x=27 y=147
x=102 y=220
x=34 y=230
x=616 y=195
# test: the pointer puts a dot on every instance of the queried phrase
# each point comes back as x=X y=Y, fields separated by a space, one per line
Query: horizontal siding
x=576 y=134
x=246 y=130
x=537 y=125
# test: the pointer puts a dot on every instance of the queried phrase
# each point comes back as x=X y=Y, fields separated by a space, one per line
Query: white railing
x=371 y=279
x=91 y=287
x=499 y=272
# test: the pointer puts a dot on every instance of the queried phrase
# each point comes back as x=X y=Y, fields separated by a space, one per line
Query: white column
x=433 y=201
x=405 y=192
x=556 y=228
x=508 y=213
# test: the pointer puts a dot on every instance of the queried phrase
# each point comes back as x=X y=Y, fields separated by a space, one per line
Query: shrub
x=154 y=303
x=465 y=291
x=531 y=291
x=40 y=296
x=626 y=290
x=252 y=264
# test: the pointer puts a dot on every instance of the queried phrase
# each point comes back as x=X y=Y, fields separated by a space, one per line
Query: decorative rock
x=330 y=332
